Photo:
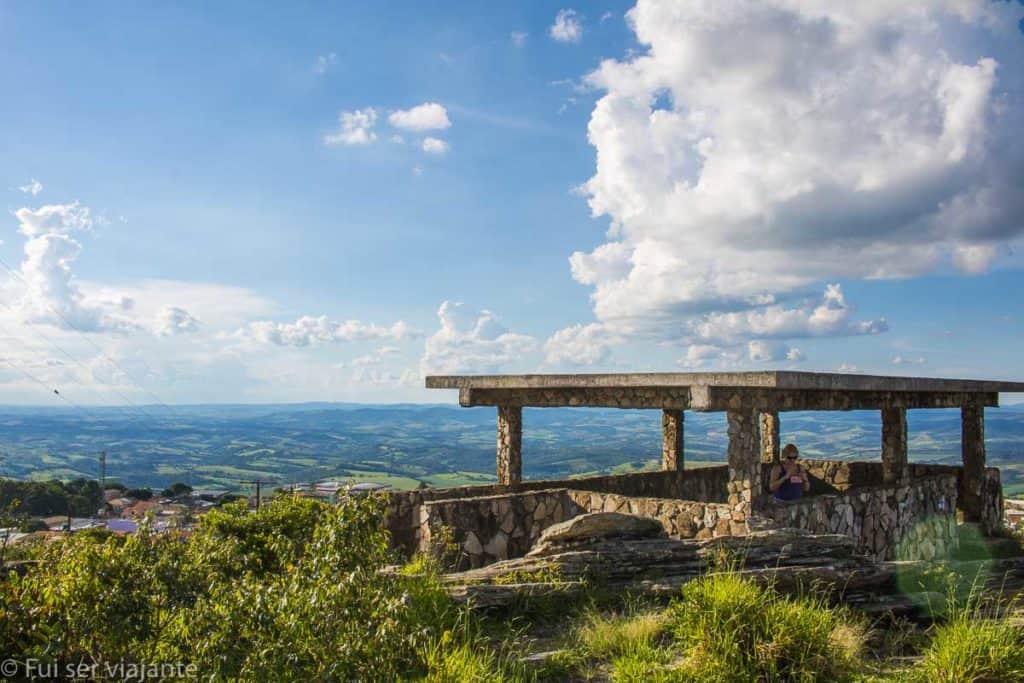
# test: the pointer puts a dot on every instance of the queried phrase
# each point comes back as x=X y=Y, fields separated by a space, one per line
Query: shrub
x=32 y=524
x=176 y=489
x=734 y=630
x=291 y=592
x=138 y=494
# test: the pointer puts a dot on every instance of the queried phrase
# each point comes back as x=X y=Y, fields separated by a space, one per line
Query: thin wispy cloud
x=324 y=63
x=33 y=187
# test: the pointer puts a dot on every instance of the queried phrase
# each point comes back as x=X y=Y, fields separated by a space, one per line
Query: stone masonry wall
x=491 y=528
x=681 y=518
x=834 y=476
x=705 y=484
x=688 y=503
x=911 y=522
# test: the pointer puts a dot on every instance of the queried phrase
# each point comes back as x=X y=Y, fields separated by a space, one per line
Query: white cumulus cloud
x=831 y=316
x=567 y=27
x=762 y=351
x=518 y=38
x=50 y=292
x=434 y=146
x=426 y=116
x=354 y=128
x=580 y=345
x=472 y=341
x=754 y=150
x=174 y=320
x=377 y=357
x=309 y=330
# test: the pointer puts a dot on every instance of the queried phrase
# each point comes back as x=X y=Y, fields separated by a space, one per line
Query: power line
x=82 y=334
x=49 y=389
x=67 y=353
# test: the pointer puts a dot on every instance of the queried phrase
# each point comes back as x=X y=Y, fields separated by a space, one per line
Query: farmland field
x=434 y=445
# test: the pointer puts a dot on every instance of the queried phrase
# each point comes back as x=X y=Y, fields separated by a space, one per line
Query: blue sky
x=671 y=190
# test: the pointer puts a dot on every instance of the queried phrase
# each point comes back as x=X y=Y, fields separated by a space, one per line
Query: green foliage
x=731 y=629
x=80 y=497
x=292 y=592
x=975 y=643
x=32 y=524
x=971 y=649
x=465 y=656
x=138 y=494
x=608 y=637
x=632 y=643
x=176 y=489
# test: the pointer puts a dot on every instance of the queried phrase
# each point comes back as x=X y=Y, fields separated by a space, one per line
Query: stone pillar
x=672 y=440
x=510 y=444
x=744 y=487
x=770 y=437
x=894 y=446
x=972 y=449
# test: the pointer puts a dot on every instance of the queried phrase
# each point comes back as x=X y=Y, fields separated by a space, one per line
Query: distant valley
x=405 y=445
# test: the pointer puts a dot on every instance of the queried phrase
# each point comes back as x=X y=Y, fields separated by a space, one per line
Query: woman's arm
x=774 y=480
x=806 y=477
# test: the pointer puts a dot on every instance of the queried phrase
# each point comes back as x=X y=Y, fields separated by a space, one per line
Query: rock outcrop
x=586 y=530
x=626 y=552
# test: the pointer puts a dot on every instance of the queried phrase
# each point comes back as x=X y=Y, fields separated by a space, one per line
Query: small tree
x=176 y=489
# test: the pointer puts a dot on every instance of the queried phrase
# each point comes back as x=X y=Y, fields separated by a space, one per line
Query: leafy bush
x=80 y=497
x=291 y=592
x=176 y=489
x=731 y=629
x=32 y=524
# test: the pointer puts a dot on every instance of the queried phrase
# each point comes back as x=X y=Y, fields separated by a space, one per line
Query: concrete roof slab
x=769 y=379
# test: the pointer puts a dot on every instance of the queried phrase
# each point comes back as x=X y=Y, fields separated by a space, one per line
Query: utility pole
x=258 y=483
x=103 y=471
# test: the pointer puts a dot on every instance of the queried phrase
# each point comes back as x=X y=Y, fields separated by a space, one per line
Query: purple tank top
x=789 y=490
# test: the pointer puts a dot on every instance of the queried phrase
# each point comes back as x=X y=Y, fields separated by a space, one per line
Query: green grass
x=609 y=637
x=634 y=644
x=448 y=479
x=732 y=629
x=976 y=642
x=396 y=482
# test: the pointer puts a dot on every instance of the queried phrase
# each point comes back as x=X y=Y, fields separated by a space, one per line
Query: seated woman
x=788 y=479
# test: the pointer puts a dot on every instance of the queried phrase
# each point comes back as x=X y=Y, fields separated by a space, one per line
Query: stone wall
x=680 y=518
x=699 y=485
x=834 y=476
x=704 y=484
x=498 y=527
x=912 y=522
x=492 y=528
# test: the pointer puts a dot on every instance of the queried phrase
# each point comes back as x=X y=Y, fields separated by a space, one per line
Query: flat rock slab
x=595 y=526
